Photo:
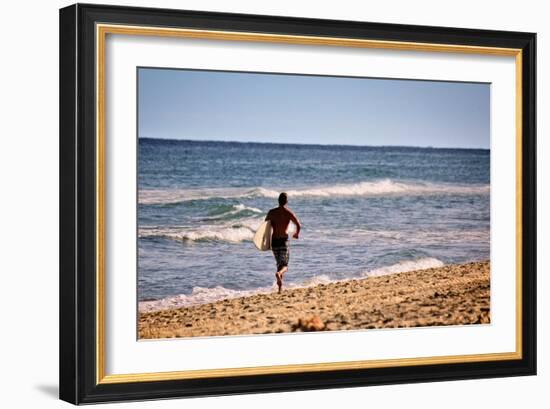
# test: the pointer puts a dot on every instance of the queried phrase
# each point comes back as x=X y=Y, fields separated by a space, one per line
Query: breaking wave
x=242 y=231
x=405 y=266
x=374 y=188
x=233 y=211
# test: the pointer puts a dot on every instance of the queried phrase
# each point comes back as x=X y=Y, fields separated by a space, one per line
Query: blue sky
x=253 y=107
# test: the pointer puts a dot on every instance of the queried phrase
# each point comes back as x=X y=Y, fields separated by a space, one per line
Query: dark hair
x=283 y=199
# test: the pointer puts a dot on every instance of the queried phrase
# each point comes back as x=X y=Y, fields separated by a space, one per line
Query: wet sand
x=449 y=295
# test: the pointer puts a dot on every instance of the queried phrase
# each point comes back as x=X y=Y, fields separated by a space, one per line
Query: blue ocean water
x=364 y=211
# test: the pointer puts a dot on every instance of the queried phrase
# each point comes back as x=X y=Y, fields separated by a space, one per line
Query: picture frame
x=83 y=219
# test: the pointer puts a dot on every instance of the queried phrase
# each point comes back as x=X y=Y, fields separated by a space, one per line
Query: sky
x=278 y=108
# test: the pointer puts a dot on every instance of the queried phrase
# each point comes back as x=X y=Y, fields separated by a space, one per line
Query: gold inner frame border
x=101 y=32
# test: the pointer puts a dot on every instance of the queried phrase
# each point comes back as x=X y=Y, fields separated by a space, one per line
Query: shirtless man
x=280 y=218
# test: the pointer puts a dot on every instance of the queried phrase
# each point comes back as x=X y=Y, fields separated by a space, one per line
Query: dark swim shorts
x=281 y=251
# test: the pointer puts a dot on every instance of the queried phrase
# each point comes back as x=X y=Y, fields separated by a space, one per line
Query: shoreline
x=455 y=294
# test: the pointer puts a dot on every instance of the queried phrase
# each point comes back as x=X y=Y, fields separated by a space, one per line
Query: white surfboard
x=262 y=238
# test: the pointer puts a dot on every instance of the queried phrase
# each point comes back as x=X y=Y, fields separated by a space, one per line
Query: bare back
x=280 y=218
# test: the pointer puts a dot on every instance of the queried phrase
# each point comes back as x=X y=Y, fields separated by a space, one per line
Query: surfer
x=280 y=218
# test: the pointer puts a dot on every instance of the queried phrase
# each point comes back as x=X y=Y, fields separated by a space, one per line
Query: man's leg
x=279 y=275
x=281 y=254
x=285 y=255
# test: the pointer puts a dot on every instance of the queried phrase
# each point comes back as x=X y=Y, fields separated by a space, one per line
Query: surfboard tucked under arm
x=262 y=238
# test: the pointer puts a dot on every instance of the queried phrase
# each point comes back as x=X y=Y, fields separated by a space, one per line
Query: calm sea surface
x=364 y=211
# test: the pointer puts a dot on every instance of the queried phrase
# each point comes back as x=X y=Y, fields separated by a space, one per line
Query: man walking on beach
x=280 y=218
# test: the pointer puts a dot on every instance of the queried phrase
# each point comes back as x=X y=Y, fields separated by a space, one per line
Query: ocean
x=364 y=211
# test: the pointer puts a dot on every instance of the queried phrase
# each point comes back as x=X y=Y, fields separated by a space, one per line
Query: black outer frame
x=77 y=365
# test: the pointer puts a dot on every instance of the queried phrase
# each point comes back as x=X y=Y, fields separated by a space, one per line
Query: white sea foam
x=199 y=295
x=405 y=266
x=236 y=209
x=388 y=187
x=226 y=234
x=241 y=207
x=229 y=233
x=375 y=188
x=202 y=295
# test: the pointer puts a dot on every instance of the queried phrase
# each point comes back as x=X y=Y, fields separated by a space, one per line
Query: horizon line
x=312 y=144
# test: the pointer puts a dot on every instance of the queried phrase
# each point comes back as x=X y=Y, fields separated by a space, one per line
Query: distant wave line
x=385 y=187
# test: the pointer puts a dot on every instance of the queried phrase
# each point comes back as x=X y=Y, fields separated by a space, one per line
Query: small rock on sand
x=313 y=323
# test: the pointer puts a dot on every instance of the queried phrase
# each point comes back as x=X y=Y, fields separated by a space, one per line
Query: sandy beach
x=449 y=295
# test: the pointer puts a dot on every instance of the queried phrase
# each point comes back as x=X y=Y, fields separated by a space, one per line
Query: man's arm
x=296 y=222
x=267 y=216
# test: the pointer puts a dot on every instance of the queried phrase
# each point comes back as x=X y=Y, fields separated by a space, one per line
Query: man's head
x=283 y=199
